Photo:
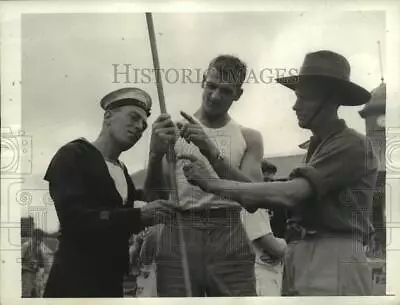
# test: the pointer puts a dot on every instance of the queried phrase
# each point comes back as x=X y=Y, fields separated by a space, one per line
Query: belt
x=211 y=213
x=296 y=233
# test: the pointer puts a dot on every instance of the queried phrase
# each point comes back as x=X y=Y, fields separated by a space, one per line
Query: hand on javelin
x=193 y=132
x=196 y=172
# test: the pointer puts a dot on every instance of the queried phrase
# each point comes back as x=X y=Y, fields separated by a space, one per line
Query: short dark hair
x=267 y=166
x=231 y=68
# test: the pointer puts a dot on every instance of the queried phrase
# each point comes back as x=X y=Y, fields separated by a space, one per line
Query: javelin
x=171 y=157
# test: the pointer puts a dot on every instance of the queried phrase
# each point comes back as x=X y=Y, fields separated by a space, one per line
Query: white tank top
x=231 y=143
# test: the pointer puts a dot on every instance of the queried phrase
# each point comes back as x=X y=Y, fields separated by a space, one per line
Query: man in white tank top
x=220 y=258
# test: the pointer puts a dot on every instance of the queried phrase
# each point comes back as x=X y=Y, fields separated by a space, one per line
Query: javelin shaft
x=156 y=62
x=171 y=157
x=380 y=60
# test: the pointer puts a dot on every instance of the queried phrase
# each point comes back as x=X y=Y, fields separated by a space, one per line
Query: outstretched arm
x=81 y=215
x=317 y=178
x=263 y=194
x=250 y=195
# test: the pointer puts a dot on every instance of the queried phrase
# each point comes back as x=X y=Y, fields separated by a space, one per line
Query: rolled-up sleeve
x=340 y=162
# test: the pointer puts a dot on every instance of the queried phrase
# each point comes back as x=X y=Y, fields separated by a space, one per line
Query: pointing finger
x=188 y=117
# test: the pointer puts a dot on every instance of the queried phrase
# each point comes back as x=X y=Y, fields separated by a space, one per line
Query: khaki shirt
x=342 y=169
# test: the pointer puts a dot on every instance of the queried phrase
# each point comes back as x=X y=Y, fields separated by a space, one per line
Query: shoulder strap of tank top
x=232 y=122
x=240 y=127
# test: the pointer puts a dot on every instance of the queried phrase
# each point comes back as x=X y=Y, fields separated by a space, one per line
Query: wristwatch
x=219 y=157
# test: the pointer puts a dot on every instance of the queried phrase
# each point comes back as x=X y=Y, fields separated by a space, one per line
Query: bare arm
x=258 y=229
x=276 y=247
x=155 y=184
x=261 y=194
x=164 y=133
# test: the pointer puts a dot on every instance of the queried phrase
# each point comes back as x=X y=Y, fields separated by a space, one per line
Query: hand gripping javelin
x=171 y=157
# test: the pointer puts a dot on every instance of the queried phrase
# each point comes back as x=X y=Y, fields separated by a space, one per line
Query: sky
x=67 y=67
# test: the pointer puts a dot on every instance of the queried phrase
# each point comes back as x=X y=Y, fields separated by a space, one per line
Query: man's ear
x=238 y=94
x=107 y=115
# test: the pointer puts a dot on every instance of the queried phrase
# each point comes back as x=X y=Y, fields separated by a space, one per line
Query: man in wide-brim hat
x=330 y=195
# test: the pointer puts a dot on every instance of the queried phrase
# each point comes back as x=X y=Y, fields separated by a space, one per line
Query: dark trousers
x=220 y=257
x=75 y=280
